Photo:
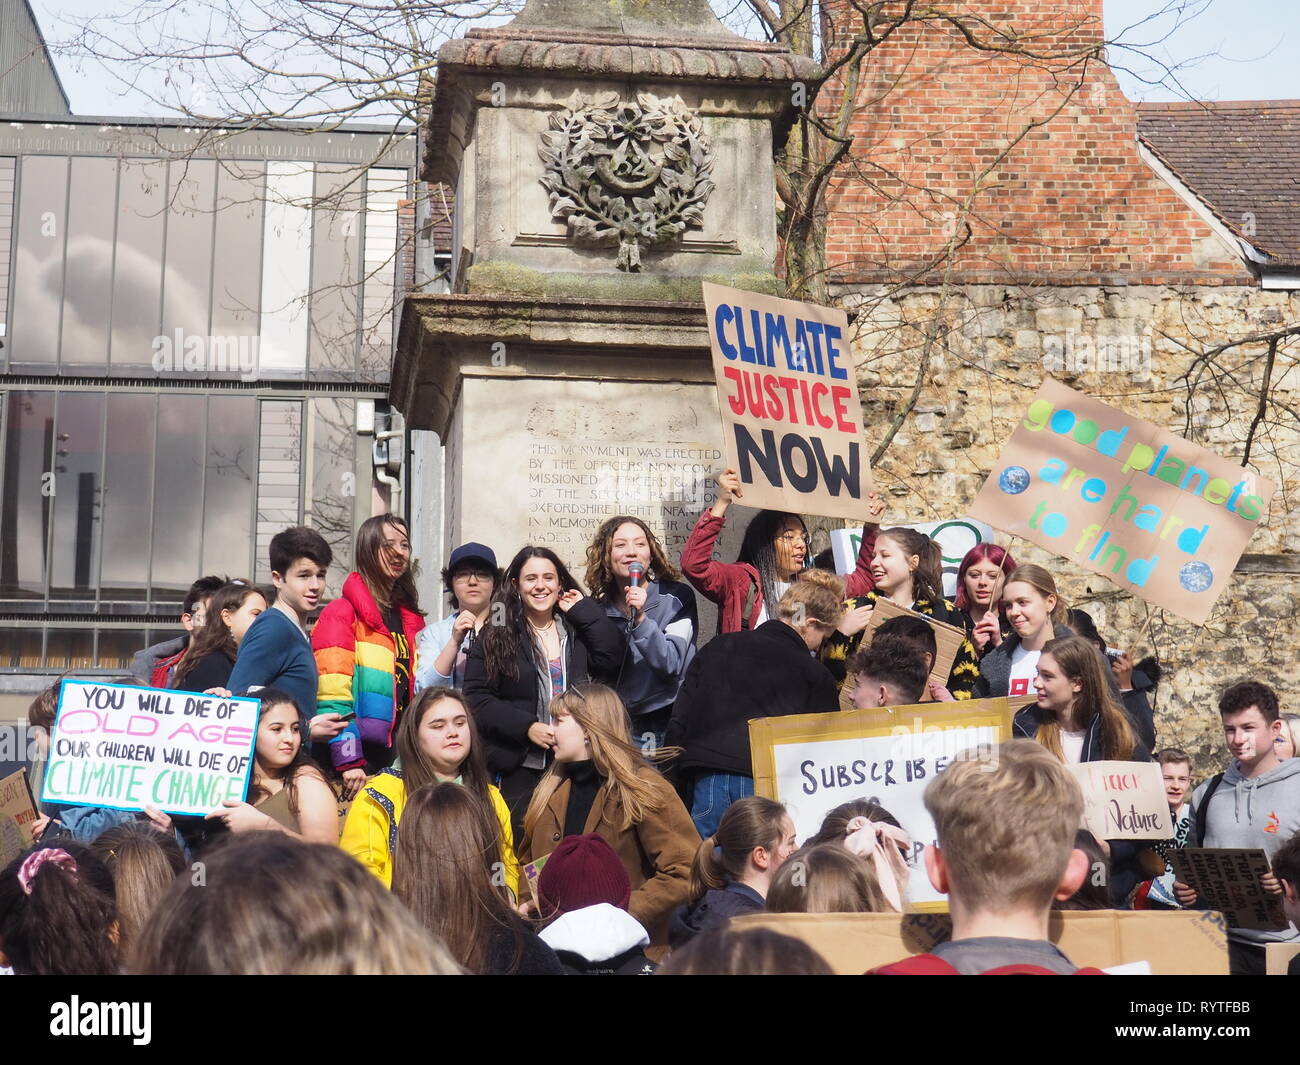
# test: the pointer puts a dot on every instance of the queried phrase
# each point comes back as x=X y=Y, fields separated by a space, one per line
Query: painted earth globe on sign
x=1014 y=480
x=1195 y=576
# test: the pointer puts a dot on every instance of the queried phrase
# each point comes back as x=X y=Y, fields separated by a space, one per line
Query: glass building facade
x=190 y=323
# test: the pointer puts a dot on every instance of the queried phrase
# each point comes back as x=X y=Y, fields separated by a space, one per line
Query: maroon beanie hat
x=582 y=871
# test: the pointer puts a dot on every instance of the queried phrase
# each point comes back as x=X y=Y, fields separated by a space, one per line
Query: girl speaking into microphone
x=630 y=576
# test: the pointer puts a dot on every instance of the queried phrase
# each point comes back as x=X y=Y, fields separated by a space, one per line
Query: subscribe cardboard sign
x=1160 y=516
x=788 y=397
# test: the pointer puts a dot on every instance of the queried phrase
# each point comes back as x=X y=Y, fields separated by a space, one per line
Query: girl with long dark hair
x=1076 y=715
x=210 y=655
x=446 y=871
x=364 y=645
x=550 y=637
x=774 y=551
x=907 y=567
x=436 y=743
x=287 y=792
x=656 y=611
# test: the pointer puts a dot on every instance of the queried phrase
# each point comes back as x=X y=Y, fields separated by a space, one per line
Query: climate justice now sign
x=789 y=402
x=124 y=747
x=1160 y=516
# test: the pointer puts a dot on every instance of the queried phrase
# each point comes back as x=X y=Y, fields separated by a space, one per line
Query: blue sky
x=1225 y=50
x=1250 y=49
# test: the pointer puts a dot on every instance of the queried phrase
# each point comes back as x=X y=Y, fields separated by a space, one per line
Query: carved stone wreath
x=633 y=175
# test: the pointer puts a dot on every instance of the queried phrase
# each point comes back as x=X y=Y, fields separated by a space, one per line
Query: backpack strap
x=1203 y=810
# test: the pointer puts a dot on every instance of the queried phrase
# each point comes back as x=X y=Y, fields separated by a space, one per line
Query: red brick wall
x=1071 y=202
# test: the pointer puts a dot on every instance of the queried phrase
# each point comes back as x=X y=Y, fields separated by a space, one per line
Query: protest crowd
x=556 y=778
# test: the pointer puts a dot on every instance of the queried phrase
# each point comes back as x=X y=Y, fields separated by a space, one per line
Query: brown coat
x=657 y=853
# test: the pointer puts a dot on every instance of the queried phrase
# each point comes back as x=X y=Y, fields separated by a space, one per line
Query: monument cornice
x=467 y=63
x=440 y=335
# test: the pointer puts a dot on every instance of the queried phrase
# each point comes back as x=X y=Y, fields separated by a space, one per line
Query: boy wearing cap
x=471 y=577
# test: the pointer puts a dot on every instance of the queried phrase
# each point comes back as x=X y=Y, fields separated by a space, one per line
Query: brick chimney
x=1033 y=145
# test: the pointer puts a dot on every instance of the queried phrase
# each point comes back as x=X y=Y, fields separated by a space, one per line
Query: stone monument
x=606 y=159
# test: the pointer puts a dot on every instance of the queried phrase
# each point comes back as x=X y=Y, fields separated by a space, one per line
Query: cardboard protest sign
x=123 y=747
x=531 y=872
x=1160 y=516
x=954 y=537
x=1124 y=800
x=1227 y=880
x=948 y=638
x=1182 y=943
x=16 y=816
x=792 y=424
x=814 y=762
x=1277 y=957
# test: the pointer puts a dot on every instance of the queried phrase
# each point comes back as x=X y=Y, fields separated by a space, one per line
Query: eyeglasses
x=571 y=690
x=794 y=538
x=476 y=574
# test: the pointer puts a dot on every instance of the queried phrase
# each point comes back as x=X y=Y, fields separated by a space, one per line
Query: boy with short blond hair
x=1005 y=819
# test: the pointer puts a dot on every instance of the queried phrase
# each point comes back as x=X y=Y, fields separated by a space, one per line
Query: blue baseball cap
x=473 y=552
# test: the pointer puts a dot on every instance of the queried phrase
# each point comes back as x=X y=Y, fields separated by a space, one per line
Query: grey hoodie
x=1263 y=812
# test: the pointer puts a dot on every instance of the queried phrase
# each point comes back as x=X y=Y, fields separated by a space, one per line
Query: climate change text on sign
x=789 y=402
x=1158 y=515
x=125 y=747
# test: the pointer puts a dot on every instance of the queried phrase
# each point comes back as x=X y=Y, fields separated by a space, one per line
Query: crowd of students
x=554 y=781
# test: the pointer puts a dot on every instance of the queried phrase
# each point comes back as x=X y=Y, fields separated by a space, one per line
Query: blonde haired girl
x=601 y=783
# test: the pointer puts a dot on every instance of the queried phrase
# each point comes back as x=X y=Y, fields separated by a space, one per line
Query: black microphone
x=634 y=571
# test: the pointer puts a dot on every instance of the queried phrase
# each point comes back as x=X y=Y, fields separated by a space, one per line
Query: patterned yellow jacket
x=838 y=648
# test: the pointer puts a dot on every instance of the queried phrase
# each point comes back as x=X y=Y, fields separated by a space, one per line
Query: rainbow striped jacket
x=356 y=658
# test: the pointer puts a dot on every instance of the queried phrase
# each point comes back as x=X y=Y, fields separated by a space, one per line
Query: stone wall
x=1000 y=343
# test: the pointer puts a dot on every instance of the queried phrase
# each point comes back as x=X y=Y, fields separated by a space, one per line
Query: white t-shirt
x=1072 y=744
x=779 y=588
x=1024 y=668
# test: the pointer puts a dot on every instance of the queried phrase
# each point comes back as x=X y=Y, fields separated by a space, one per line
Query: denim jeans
x=714 y=792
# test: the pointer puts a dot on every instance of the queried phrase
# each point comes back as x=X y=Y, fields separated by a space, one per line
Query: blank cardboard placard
x=1156 y=514
x=788 y=397
x=1124 y=800
x=814 y=762
x=1277 y=957
x=1227 y=880
x=947 y=638
x=1180 y=943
